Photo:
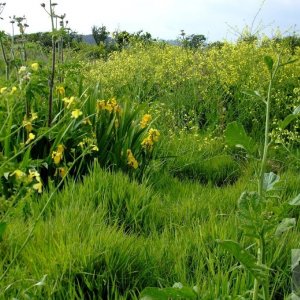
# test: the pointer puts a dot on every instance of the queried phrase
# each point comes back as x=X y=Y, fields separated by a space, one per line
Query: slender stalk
x=7 y=63
x=51 y=84
x=52 y=76
x=261 y=241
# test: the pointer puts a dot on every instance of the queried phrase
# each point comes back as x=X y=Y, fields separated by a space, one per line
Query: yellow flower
x=60 y=172
x=81 y=144
x=34 y=174
x=60 y=90
x=76 y=113
x=27 y=125
x=100 y=105
x=35 y=66
x=38 y=187
x=147 y=143
x=31 y=137
x=145 y=120
x=57 y=155
x=109 y=107
x=154 y=134
x=18 y=173
x=34 y=116
x=86 y=121
x=94 y=148
x=60 y=148
x=131 y=161
x=2 y=90
x=13 y=90
x=69 y=101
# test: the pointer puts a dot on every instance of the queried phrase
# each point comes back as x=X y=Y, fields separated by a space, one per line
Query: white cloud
x=162 y=18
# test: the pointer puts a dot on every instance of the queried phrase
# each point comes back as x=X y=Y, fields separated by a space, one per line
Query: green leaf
x=270 y=179
x=285 y=225
x=291 y=117
x=296 y=110
x=269 y=62
x=288 y=119
x=236 y=135
x=288 y=62
x=3 y=226
x=248 y=201
x=246 y=259
x=178 y=291
x=295 y=201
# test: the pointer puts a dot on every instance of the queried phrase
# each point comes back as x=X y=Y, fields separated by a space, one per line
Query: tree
x=100 y=34
x=193 y=41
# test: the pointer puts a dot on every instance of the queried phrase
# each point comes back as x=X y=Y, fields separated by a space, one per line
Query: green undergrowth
x=109 y=237
x=204 y=159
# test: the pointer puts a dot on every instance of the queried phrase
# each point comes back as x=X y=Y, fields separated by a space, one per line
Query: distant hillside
x=88 y=38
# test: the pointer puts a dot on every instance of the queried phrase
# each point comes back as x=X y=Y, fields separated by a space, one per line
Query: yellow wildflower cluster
x=153 y=136
x=88 y=142
x=145 y=120
x=33 y=175
x=57 y=155
x=27 y=123
x=110 y=105
x=5 y=89
x=69 y=101
x=131 y=161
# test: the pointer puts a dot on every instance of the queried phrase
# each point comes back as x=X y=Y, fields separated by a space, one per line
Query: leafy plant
x=257 y=215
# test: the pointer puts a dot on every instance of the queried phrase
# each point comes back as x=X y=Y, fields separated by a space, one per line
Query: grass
x=156 y=235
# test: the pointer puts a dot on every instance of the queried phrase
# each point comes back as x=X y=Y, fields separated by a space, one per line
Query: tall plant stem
x=51 y=80
x=51 y=84
x=261 y=240
x=7 y=64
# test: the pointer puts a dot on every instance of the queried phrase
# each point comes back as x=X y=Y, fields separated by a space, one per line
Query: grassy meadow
x=153 y=172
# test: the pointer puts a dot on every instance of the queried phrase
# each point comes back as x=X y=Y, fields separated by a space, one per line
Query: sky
x=216 y=19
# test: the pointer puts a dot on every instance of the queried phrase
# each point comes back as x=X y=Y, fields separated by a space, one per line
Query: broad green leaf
x=254 y=94
x=246 y=259
x=295 y=201
x=269 y=62
x=2 y=230
x=270 y=179
x=285 y=225
x=236 y=135
x=288 y=119
x=153 y=293
x=296 y=110
x=291 y=117
x=248 y=200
